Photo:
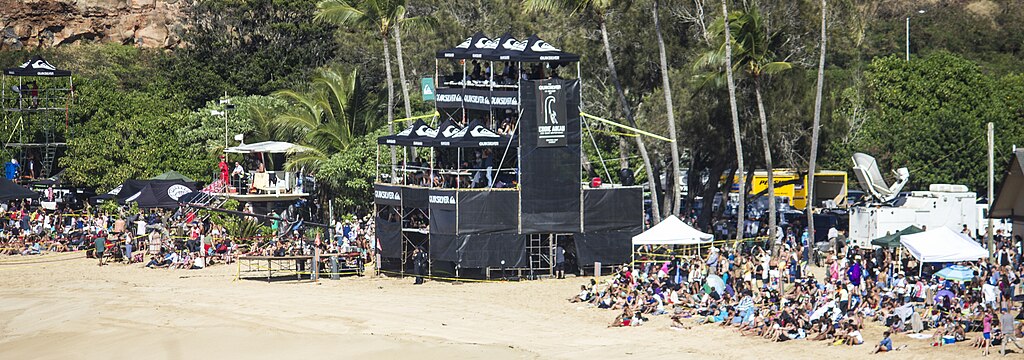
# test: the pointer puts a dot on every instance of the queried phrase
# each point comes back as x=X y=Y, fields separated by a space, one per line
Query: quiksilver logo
x=387 y=195
x=449 y=98
x=441 y=199
x=504 y=100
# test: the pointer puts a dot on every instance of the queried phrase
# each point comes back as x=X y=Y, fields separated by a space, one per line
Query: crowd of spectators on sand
x=177 y=239
x=772 y=294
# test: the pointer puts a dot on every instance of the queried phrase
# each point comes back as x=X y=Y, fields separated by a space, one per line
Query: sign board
x=427 y=87
x=551 y=114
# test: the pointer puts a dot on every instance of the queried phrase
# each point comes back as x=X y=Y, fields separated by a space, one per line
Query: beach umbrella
x=958 y=273
x=714 y=282
x=943 y=293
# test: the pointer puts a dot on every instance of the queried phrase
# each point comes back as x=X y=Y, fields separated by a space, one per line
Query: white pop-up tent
x=942 y=245
x=672 y=231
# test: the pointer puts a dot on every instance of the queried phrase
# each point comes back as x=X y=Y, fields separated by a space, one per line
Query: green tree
x=326 y=119
x=377 y=16
x=249 y=47
x=597 y=11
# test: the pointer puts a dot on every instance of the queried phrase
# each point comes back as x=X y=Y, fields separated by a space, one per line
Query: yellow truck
x=830 y=185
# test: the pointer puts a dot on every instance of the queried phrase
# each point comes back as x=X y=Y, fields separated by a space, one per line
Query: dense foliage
x=140 y=112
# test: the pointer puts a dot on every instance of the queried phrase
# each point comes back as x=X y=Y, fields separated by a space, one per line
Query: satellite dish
x=870 y=178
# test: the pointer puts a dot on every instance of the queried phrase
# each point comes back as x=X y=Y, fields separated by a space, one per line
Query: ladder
x=49 y=151
x=540 y=251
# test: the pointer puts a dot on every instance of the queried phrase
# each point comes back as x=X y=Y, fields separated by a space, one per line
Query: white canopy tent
x=942 y=245
x=672 y=231
x=270 y=147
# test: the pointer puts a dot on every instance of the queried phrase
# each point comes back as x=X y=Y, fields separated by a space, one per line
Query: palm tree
x=756 y=57
x=378 y=16
x=753 y=55
x=598 y=11
x=325 y=119
x=667 y=89
x=814 y=130
x=741 y=213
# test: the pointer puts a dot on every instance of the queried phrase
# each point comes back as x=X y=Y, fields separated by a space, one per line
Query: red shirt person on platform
x=223 y=170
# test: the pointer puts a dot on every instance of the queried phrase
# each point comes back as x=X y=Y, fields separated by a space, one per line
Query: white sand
x=69 y=308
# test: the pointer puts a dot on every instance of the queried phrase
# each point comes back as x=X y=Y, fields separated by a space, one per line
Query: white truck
x=889 y=210
x=952 y=206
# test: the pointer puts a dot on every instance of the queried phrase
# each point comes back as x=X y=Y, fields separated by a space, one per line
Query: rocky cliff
x=50 y=23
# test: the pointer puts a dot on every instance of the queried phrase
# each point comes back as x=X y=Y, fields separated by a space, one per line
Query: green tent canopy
x=893 y=240
x=172 y=175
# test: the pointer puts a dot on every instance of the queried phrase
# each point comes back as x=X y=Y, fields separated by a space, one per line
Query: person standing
x=559 y=262
x=418 y=264
x=1006 y=324
x=11 y=169
x=223 y=166
x=101 y=246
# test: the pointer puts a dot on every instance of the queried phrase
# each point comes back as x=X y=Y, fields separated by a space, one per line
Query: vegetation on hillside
x=140 y=112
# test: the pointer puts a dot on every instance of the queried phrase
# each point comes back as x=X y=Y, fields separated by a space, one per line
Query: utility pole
x=908 y=38
x=991 y=188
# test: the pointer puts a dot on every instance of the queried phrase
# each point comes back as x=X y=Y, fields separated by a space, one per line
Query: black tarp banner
x=606 y=247
x=612 y=209
x=485 y=212
x=483 y=250
x=442 y=212
x=389 y=234
x=550 y=112
x=550 y=175
x=476 y=99
x=414 y=197
x=387 y=195
x=444 y=248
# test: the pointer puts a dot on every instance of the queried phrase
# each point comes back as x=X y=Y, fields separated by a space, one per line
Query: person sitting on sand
x=853 y=337
x=624 y=319
x=157 y=261
x=885 y=345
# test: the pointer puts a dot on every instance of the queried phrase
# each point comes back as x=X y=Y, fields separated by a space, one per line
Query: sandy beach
x=63 y=306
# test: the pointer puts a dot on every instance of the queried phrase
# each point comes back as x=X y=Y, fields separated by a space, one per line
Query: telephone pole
x=991 y=188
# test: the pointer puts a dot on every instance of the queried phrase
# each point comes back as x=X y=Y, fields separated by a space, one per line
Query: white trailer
x=946 y=205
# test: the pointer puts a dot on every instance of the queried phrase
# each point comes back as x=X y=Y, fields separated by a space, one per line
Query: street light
x=908 y=34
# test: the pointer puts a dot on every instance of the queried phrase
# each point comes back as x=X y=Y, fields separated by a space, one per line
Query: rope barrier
x=443 y=278
x=435 y=113
x=612 y=123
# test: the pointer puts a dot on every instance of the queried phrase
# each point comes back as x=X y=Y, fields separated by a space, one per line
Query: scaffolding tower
x=36 y=99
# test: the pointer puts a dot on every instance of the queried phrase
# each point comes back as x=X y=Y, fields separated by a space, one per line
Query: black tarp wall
x=550 y=156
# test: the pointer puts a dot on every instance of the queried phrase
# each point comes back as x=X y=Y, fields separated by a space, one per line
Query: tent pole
x=491 y=94
x=465 y=80
x=519 y=147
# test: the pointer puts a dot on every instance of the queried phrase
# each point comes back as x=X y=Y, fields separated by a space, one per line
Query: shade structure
x=37 y=66
x=11 y=191
x=461 y=51
x=957 y=273
x=172 y=175
x=672 y=231
x=160 y=194
x=942 y=245
x=1009 y=200
x=893 y=240
x=417 y=134
x=507 y=48
x=270 y=147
